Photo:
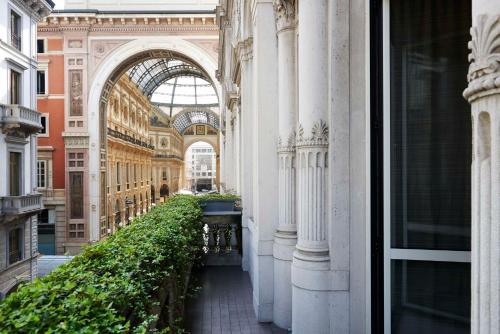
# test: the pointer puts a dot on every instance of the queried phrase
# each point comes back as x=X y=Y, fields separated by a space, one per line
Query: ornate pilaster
x=285 y=237
x=483 y=93
x=311 y=279
x=312 y=162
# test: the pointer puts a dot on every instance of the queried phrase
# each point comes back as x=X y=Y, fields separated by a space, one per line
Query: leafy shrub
x=116 y=285
x=208 y=197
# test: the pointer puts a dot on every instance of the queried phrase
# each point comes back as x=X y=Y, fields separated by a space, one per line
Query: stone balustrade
x=18 y=205
x=16 y=116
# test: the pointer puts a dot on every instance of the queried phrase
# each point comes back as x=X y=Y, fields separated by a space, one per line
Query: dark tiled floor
x=225 y=304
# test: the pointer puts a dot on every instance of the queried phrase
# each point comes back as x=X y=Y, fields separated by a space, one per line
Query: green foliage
x=210 y=197
x=115 y=284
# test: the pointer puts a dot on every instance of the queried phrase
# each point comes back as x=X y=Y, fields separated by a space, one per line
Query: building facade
x=200 y=167
x=98 y=76
x=20 y=122
x=369 y=189
x=129 y=154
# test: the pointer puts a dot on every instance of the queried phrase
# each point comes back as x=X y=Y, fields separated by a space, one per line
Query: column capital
x=484 y=70
x=318 y=137
x=288 y=145
x=284 y=11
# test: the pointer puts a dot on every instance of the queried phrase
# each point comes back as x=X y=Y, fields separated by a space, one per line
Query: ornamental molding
x=244 y=49
x=284 y=11
x=289 y=145
x=318 y=137
x=76 y=141
x=36 y=8
x=484 y=70
x=161 y=28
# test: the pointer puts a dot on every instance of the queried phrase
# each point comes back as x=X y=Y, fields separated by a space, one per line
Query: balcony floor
x=225 y=304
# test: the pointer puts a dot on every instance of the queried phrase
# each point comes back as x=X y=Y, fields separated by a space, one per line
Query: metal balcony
x=20 y=205
x=14 y=116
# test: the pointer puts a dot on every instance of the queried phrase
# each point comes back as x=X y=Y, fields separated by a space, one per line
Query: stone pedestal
x=483 y=93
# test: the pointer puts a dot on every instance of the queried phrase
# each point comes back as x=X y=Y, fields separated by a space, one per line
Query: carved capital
x=484 y=70
x=287 y=146
x=318 y=137
x=284 y=11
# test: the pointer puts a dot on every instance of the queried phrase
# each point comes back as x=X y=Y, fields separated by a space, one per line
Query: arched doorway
x=118 y=62
x=201 y=168
x=153 y=196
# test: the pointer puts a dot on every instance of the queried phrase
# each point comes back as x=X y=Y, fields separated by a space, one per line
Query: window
x=427 y=157
x=127 y=175
x=40 y=83
x=42 y=173
x=164 y=174
x=15 y=87
x=15 y=173
x=40 y=46
x=76 y=195
x=76 y=160
x=135 y=175
x=15 y=245
x=15 y=30
x=44 y=119
x=118 y=177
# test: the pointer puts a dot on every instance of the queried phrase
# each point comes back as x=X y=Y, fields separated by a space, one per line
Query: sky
x=59 y=4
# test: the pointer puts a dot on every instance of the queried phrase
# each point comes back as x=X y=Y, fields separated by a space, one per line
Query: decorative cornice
x=318 y=138
x=484 y=70
x=284 y=11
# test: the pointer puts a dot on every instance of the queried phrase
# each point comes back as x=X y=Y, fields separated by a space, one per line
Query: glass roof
x=152 y=73
x=185 y=119
x=185 y=90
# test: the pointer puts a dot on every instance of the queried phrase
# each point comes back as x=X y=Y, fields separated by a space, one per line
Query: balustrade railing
x=13 y=115
x=222 y=237
x=16 y=205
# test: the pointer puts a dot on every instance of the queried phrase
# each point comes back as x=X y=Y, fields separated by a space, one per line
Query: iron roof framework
x=185 y=119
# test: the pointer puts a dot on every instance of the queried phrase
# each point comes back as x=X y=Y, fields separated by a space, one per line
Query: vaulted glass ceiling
x=180 y=89
x=185 y=90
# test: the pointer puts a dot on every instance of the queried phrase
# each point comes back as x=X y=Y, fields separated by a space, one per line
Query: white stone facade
x=300 y=87
x=19 y=123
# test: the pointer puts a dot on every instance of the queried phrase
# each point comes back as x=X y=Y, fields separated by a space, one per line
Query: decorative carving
x=484 y=70
x=76 y=142
x=285 y=13
x=289 y=146
x=75 y=43
x=245 y=49
x=76 y=92
x=319 y=135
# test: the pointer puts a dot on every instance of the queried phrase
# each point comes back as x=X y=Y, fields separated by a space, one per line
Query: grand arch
x=116 y=63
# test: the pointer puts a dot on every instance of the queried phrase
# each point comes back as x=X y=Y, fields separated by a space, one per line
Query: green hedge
x=116 y=285
x=209 y=197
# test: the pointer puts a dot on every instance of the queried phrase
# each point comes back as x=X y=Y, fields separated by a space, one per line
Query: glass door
x=427 y=159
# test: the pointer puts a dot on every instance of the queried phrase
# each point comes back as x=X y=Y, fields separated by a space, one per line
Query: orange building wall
x=54 y=106
x=56 y=74
x=55 y=44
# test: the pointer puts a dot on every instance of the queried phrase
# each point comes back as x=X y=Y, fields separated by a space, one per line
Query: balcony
x=21 y=205
x=13 y=116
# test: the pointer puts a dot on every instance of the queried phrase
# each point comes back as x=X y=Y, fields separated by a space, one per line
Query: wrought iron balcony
x=13 y=116
x=20 y=205
x=130 y=139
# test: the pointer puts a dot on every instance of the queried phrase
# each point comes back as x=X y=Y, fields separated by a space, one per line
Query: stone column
x=265 y=159
x=285 y=237
x=483 y=93
x=229 y=162
x=245 y=54
x=311 y=277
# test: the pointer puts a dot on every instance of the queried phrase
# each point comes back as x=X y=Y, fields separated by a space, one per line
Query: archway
x=201 y=168
x=164 y=191
x=106 y=75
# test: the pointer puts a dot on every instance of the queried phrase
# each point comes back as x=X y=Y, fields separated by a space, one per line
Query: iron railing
x=130 y=139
